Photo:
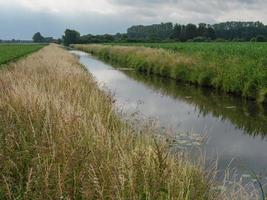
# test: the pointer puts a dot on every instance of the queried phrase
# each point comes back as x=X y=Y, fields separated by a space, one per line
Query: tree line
x=169 y=32
x=38 y=38
x=231 y=31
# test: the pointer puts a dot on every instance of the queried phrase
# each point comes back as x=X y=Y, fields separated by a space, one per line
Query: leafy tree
x=253 y=39
x=202 y=29
x=177 y=29
x=211 y=33
x=200 y=39
x=260 y=38
x=241 y=30
x=71 y=37
x=191 y=31
x=38 y=38
x=183 y=36
x=156 y=32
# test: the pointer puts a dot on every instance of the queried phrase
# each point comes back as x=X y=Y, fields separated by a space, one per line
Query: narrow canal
x=236 y=129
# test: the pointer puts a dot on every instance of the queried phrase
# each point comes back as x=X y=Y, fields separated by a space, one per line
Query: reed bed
x=226 y=70
x=62 y=139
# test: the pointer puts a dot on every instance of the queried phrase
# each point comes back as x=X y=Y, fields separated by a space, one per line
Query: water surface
x=236 y=128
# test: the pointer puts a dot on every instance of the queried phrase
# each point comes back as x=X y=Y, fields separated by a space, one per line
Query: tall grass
x=228 y=71
x=61 y=139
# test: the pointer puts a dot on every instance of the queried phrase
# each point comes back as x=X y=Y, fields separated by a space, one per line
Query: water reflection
x=236 y=128
x=245 y=115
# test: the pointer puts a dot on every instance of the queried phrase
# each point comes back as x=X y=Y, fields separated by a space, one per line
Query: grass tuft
x=61 y=139
x=231 y=68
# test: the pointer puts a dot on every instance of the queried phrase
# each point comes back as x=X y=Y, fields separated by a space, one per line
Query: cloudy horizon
x=20 y=19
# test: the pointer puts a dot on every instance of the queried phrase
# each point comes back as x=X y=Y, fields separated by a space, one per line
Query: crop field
x=12 y=52
x=239 y=68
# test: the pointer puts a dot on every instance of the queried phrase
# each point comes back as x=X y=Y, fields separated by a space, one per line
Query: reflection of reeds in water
x=224 y=70
x=245 y=115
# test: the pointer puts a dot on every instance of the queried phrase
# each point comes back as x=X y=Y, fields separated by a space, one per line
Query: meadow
x=237 y=68
x=62 y=138
x=11 y=52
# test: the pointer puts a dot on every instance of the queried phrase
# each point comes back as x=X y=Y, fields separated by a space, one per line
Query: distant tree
x=253 y=39
x=191 y=31
x=176 y=32
x=221 y=40
x=161 y=31
x=71 y=37
x=200 y=39
x=260 y=38
x=183 y=36
x=38 y=38
x=211 y=33
x=242 y=30
x=59 y=41
x=202 y=29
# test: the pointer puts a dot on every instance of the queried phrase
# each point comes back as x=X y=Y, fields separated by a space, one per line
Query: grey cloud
x=200 y=6
x=18 y=22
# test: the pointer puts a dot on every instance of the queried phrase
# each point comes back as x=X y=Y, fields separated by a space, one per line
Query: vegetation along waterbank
x=232 y=68
x=61 y=138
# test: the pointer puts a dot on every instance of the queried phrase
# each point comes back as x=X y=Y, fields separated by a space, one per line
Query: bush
x=221 y=40
x=200 y=39
x=238 y=40
x=253 y=39
x=260 y=38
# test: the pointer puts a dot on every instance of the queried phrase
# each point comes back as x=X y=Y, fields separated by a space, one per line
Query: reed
x=220 y=67
x=62 y=139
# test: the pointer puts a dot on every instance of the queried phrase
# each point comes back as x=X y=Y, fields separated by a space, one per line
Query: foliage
x=61 y=139
x=200 y=39
x=260 y=38
x=230 y=67
x=222 y=32
x=152 y=32
x=12 y=52
x=38 y=38
x=86 y=39
x=243 y=31
x=71 y=37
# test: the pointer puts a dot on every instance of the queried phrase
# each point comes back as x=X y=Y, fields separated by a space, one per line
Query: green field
x=12 y=52
x=239 y=68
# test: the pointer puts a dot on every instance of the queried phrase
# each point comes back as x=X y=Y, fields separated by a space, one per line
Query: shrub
x=200 y=39
x=260 y=38
x=221 y=40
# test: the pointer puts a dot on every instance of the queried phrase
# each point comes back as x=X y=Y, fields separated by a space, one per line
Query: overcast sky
x=19 y=19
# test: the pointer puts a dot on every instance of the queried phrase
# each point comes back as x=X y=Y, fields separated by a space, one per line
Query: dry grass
x=157 y=61
x=229 y=69
x=61 y=139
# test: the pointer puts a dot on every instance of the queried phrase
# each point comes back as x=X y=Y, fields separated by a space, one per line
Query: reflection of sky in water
x=224 y=138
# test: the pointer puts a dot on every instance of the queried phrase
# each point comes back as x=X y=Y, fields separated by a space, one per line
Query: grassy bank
x=11 y=52
x=61 y=139
x=233 y=69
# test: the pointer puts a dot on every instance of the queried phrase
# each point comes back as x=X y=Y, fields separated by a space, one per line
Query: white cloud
x=63 y=6
x=100 y=16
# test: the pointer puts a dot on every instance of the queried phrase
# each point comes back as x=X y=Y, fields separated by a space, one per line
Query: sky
x=20 y=19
